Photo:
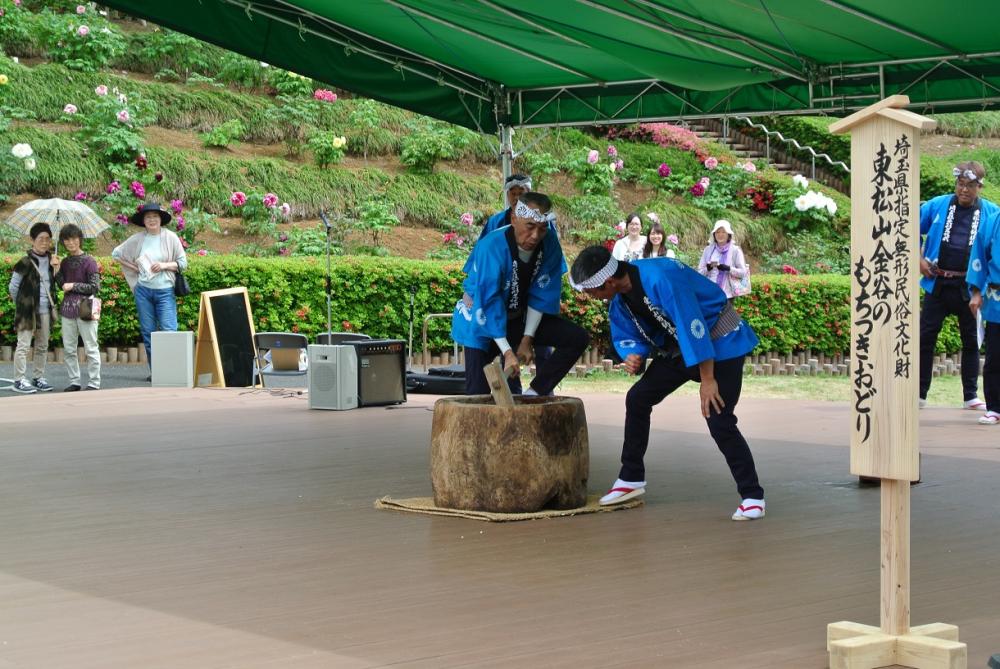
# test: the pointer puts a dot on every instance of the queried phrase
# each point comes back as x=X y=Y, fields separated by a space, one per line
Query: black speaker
x=381 y=371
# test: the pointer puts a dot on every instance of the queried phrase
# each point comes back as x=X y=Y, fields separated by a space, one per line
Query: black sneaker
x=41 y=385
x=92 y=388
x=149 y=379
x=22 y=386
x=71 y=388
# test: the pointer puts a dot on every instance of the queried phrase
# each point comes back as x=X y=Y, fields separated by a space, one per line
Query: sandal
x=622 y=491
x=989 y=418
x=749 y=509
x=975 y=404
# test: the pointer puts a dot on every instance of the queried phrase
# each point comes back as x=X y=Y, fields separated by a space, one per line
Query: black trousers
x=662 y=378
x=949 y=297
x=991 y=370
x=568 y=339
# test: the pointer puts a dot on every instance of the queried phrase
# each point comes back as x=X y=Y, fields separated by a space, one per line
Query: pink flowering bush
x=457 y=240
x=324 y=95
x=665 y=135
x=87 y=47
x=238 y=198
x=112 y=129
x=260 y=214
x=594 y=177
x=270 y=200
x=81 y=197
x=70 y=109
x=711 y=163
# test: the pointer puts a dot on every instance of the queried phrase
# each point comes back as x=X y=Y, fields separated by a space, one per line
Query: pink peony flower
x=202 y=252
x=324 y=95
x=711 y=163
x=180 y=223
x=612 y=151
x=177 y=206
x=704 y=181
x=138 y=189
x=122 y=219
x=460 y=241
x=620 y=227
x=113 y=187
x=70 y=109
x=284 y=251
x=664 y=170
x=750 y=167
x=466 y=218
x=286 y=209
x=83 y=31
x=673 y=239
x=283 y=237
x=593 y=156
x=141 y=162
x=80 y=9
x=449 y=237
x=653 y=216
x=788 y=269
x=698 y=189
x=101 y=90
x=270 y=200
x=17 y=3
x=123 y=116
x=81 y=197
x=238 y=198
x=619 y=164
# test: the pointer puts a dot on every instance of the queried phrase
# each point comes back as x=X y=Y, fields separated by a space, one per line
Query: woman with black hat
x=150 y=261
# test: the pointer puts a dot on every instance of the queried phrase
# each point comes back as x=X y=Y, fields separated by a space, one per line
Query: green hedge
x=789 y=313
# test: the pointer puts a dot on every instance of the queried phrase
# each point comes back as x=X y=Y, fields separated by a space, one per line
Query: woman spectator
x=722 y=260
x=79 y=278
x=150 y=260
x=655 y=247
x=630 y=246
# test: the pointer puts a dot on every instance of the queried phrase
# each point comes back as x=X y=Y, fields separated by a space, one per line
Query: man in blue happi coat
x=663 y=309
x=513 y=293
x=949 y=225
x=983 y=281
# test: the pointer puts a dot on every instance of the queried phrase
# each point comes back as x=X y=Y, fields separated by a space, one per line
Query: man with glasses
x=949 y=225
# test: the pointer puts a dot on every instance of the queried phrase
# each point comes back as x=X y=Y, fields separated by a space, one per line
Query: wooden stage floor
x=204 y=529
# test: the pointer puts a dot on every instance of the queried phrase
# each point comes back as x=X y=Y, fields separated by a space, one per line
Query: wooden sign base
x=856 y=646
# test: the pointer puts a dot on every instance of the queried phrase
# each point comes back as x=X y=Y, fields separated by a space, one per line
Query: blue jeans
x=157 y=310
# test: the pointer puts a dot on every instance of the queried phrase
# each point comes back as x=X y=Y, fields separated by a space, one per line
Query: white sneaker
x=749 y=509
x=975 y=404
x=622 y=491
x=921 y=403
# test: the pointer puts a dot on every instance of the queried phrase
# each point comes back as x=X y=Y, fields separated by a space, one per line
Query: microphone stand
x=413 y=297
x=329 y=282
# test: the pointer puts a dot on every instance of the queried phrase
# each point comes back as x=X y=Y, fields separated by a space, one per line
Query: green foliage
x=17 y=27
x=364 y=121
x=294 y=116
x=810 y=131
x=540 y=166
x=312 y=241
x=260 y=213
x=726 y=184
x=223 y=135
x=458 y=241
x=174 y=51
x=288 y=84
x=376 y=217
x=327 y=148
x=592 y=217
x=430 y=141
x=811 y=253
x=242 y=72
x=594 y=176
x=188 y=225
x=969 y=124
x=87 y=42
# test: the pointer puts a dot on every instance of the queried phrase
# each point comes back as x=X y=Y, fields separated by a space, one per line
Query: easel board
x=225 y=354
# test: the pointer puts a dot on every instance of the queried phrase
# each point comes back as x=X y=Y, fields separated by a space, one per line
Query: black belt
x=948 y=274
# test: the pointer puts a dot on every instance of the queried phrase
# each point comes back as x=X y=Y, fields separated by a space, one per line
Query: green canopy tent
x=495 y=64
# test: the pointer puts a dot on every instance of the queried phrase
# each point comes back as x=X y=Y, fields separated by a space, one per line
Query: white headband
x=968 y=174
x=521 y=210
x=524 y=183
x=599 y=278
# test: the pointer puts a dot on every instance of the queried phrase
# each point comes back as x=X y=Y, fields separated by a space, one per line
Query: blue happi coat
x=984 y=267
x=494 y=222
x=489 y=283
x=686 y=302
x=933 y=215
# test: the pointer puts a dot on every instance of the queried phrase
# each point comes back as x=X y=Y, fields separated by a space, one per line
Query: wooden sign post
x=885 y=267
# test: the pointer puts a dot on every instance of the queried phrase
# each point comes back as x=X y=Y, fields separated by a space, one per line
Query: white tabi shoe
x=622 y=491
x=749 y=509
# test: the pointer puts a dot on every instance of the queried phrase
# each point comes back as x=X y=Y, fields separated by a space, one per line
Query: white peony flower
x=800 y=181
x=831 y=206
x=801 y=203
x=29 y=164
x=21 y=150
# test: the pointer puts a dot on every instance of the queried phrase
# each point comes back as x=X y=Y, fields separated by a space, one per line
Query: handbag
x=740 y=287
x=181 y=287
x=89 y=309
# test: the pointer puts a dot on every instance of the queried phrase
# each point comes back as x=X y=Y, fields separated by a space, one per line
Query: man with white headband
x=664 y=310
x=514 y=286
x=949 y=225
x=983 y=281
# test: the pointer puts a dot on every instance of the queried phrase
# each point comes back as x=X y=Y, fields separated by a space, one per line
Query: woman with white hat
x=722 y=260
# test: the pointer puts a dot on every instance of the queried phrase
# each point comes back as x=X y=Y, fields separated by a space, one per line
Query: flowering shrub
x=324 y=95
x=594 y=177
x=113 y=127
x=87 y=42
x=458 y=240
x=189 y=225
x=375 y=217
x=665 y=135
x=14 y=167
x=287 y=83
x=260 y=213
x=327 y=147
x=798 y=206
x=295 y=116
